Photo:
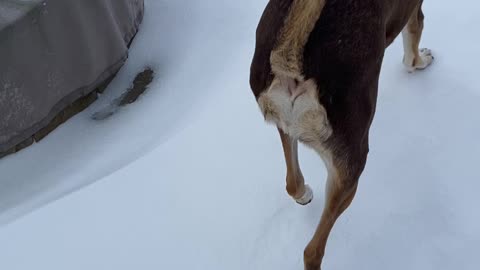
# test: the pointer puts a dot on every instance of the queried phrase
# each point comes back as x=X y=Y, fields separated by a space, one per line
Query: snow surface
x=190 y=177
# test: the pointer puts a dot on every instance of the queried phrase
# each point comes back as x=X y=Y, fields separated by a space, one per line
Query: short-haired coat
x=315 y=76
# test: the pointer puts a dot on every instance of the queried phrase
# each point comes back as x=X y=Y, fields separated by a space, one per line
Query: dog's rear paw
x=425 y=60
x=307 y=196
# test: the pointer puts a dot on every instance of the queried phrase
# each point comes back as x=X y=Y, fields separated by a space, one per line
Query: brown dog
x=315 y=76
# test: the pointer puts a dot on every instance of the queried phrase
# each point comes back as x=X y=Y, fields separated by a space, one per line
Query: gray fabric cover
x=54 y=51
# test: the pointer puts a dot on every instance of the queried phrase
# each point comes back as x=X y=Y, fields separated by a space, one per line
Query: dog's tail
x=286 y=58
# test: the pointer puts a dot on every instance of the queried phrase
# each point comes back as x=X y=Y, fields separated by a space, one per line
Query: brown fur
x=287 y=57
x=315 y=75
x=295 y=181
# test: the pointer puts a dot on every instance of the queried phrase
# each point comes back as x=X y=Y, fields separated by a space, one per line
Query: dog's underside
x=315 y=76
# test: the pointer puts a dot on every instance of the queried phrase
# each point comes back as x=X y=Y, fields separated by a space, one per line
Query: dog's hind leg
x=342 y=182
x=295 y=182
x=414 y=57
x=345 y=155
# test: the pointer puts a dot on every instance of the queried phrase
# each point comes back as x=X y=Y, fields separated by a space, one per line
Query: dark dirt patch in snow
x=139 y=86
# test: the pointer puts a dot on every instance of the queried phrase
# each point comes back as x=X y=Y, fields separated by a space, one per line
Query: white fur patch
x=409 y=56
x=302 y=118
x=307 y=196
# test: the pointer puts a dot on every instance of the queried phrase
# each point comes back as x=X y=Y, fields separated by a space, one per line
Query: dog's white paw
x=426 y=59
x=307 y=196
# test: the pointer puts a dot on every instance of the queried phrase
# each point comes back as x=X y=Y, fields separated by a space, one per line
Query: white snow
x=190 y=177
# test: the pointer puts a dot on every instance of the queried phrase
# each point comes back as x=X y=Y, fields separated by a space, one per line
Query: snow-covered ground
x=189 y=177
